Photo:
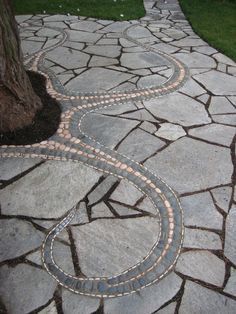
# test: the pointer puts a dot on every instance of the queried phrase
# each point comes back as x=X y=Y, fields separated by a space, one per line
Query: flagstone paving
x=187 y=138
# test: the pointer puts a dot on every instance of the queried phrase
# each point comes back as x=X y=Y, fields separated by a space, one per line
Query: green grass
x=214 y=21
x=103 y=9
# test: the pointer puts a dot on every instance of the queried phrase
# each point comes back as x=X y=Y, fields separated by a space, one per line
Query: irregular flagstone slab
x=200 y=239
x=78 y=71
x=101 y=210
x=109 y=246
x=161 y=24
x=56 y=24
x=64 y=78
x=199 y=211
x=178 y=16
x=134 y=49
x=232 y=99
x=196 y=60
x=197 y=299
x=29 y=47
x=151 y=80
x=105 y=22
x=222 y=67
x=126 y=193
x=124 y=87
x=167 y=39
x=60 y=17
x=88 y=26
x=51 y=42
x=231 y=284
x=108 y=41
x=225 y=119
x=139 y=145
x=22 y=18
x=147 y=300
x=220 y=105
x=139 y=32
x=47 y=32
x=177 y=108
x=170 y=6
x=96 y=126
x=217 y=82
x=159 y=69
x=165 y=47
x=117 y=110
x=17 y=237
x=148 y=126
x=74 y=45
x=192 y=88
x=126 y=43
x=56 y=69
x=148 y=206
x=25 y=288
x=101 y=61
x=141 y=115
x=202 y=265
x=10 y=168
x=98 y=193
x=98 y=79
x=232 y=70
x=50 y=309
x=63 y=196
x=170 y=131
x=222 y=197
x=35 y=257
x=174 y=33
x=150 y=40
x=204 y=98
x=119 y=68
x=189 y=42
x=81 y=36
x=124 y=210
x=194 y=71
x=78 y=304
x=230 y=236
x=207 y=50
x=27 y=35
x=162 y=37
x=169 y=309
x=223 y=59
x=68 y=58
x=116 y=27
x=111 y=51
x=140 y=60
x=189 y=165
x=215 y=133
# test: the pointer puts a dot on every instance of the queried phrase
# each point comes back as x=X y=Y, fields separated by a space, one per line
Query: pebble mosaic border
x=70 y=143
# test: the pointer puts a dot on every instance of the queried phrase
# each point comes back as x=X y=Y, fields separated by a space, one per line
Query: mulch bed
x=45 y=123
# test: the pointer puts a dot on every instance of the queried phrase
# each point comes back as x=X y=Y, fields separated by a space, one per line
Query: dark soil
x=45 y=123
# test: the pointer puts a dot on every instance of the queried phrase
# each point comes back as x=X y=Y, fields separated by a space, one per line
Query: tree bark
x=18 y=102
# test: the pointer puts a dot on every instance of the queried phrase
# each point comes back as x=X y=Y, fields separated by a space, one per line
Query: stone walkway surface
x=186 y=137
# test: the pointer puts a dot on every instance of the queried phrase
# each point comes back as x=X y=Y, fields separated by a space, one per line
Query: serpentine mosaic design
x=70 y=143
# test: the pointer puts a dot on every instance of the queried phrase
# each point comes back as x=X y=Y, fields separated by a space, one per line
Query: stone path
x=189 y=138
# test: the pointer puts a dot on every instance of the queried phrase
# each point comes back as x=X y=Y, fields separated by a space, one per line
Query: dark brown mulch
x=45 y=122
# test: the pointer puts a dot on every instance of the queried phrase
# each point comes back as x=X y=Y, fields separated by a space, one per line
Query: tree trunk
x=18 y=102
